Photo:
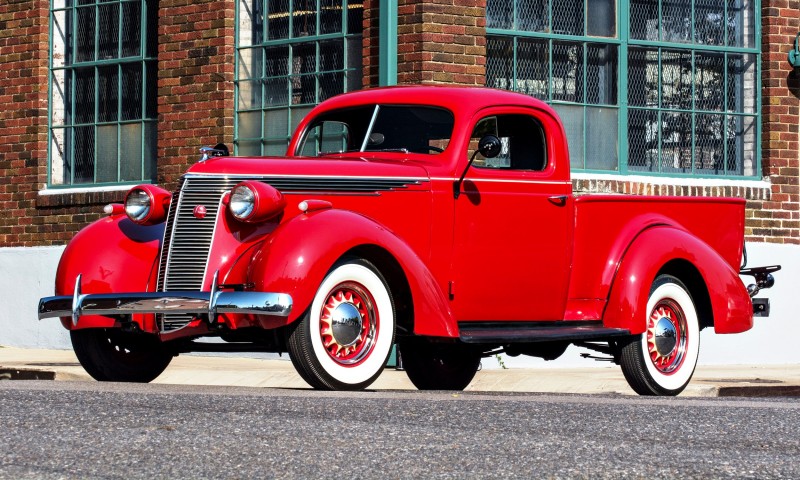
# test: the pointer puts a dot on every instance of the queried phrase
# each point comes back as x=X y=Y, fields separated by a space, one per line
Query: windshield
x=379 y=128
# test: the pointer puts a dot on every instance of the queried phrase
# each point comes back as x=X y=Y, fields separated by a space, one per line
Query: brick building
x=658 y=97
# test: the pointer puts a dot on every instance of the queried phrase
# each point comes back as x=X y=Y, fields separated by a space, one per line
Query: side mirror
x=488 y=146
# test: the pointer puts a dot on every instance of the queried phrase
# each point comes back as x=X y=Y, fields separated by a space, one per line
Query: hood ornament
x=219 y=150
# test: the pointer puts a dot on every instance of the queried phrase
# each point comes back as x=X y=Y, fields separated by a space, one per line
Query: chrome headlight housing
x=242 y=202
x=147 y=204
x=255 y=202
x=138 y=205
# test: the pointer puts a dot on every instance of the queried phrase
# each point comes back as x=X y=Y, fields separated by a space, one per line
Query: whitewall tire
x=661 y=361
x=345 y=338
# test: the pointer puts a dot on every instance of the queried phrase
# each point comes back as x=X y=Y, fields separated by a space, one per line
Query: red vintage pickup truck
x=440 y=219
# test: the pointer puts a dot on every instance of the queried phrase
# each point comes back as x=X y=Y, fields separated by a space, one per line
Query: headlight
x=137 y=205
x=243 y=202
x=255 y=202
x=147 y=204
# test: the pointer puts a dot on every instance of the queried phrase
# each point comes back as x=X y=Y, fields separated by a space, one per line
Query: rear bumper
x=192 y=302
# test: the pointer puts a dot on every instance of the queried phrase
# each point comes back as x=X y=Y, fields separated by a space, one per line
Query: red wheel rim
x=349 y=324
x=667 y=336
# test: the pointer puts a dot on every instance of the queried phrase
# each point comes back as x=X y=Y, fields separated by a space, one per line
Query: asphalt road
x=93 y=430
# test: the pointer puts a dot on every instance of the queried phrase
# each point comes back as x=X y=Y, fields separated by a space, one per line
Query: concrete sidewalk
x=708 y=381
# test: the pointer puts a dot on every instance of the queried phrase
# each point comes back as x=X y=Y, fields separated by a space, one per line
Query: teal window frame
x=126 y=72
x=265 y=114
x=696 y=112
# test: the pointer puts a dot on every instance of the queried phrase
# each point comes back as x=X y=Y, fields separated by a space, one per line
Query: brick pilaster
x=195 y=81
x=441 y=41
x=778 y=218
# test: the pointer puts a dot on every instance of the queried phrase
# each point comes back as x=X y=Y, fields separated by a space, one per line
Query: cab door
x=513 y=222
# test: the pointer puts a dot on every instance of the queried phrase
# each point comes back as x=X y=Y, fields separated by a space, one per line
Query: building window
x=675 y=92
x=291 y=55
x=102 y=91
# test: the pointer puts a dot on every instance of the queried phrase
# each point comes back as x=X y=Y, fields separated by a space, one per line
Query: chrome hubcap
x=346 y=324
x=349 y=324
x=666 y=336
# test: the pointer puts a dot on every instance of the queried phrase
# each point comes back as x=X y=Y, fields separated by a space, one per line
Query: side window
x=522 y=139
x=326 y=137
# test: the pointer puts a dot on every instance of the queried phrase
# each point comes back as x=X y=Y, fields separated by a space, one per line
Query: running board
x=532 y=332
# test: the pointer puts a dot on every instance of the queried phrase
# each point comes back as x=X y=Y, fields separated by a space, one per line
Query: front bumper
x=209 y=303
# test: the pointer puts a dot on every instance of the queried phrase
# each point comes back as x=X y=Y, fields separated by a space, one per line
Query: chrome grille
x=187 y=239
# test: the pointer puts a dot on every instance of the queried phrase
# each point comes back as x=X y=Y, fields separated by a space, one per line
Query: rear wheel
x=110 y=355
x=661 y=360
x=438 y=366
x=344 y=340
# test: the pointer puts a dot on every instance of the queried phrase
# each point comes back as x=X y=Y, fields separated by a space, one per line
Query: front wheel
x=439 y=366
x=110 y=355
x=344 y=340
x=661 y=360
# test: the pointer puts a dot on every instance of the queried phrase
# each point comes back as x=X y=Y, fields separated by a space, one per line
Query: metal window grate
x=291 y=55
x=687 y=72
x=102 y=119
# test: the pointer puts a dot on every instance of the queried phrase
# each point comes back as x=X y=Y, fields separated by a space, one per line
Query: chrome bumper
x=208 y=303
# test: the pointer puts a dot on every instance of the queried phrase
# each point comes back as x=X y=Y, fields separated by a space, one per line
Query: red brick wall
x=195 y=81
x=441 y=41
x=778 y=218
x=371 y=46
x=29 y=219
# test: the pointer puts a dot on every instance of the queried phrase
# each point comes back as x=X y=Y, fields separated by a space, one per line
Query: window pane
x=331 y=56
x=249 y=148
x=277 y=19
x=108 y=93
x=130 y=144
x=250 y=64
x=602 y=21
x=152 y=27
x=643 y=77
x=676 y=142
x=532 y=71
x=644 y=20
x=150 y=150
x=249 y=95
x=132 y=89
x=500 y=14
x=277 y=61
x=84 y=95
x=676 y=79
x=568 y=17
x=131 y=29
x=249 y=22
x=107 y=153
x=642 y=140
x=305 y=18
x=500 y=63
x=709 y=25
x=330 y=16
x=84 y=31
x=276 y=123
x=601 y=134
x=83 y=156
x=676 y=21
x=741 y=77
x=151 y=91
x=709 y=78
x=572 y=117
x=250 y=125
x=59 y=100
x=532 y=15
x=708 y=141
x=108 y=36
x=741 y=145
x=601 y=74
x=741 y=23
x=567 y=82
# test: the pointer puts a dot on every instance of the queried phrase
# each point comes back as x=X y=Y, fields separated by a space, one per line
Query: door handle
x=558 y=200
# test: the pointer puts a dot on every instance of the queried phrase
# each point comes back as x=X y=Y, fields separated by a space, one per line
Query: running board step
x=531 y=332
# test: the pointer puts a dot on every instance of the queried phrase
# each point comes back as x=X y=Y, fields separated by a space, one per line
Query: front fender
x=646 y=257
x=298 y=255
x=113 y=255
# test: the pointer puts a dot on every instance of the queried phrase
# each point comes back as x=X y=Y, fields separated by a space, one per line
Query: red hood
x=309 y=167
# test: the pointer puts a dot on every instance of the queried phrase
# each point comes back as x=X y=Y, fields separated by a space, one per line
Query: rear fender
x=298 y=255
x=652 y=253
x=113 y=255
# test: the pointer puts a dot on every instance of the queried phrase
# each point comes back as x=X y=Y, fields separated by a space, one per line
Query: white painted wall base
x=27 y=274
